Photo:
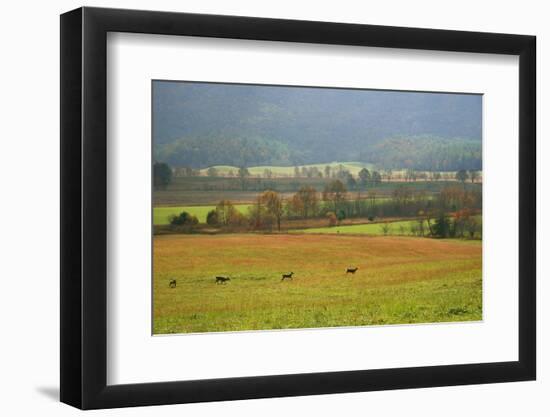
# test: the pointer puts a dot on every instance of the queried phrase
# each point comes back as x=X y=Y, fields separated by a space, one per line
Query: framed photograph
x=260 y=208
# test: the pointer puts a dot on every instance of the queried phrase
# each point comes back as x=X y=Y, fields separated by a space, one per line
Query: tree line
x=241 y=178
x=335 y=203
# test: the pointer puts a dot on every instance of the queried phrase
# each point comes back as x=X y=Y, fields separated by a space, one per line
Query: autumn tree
x=274 y=206
x=212 y=218
x=257 y=214
x=472 y=227
x=449 y=197
x=401 y=196
x=226 y=212
x=332 y=219
x=335 y=192
x=305 y=201
x=295 y=206
x=442 y=225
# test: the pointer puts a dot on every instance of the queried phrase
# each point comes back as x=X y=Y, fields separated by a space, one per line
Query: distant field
x=353 y=167
x=162 y=214
x=396 y=228
x=370 y=229
x=204 y=190
x=399 y=280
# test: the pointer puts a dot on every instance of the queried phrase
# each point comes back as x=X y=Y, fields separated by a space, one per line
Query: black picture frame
x=84 y=207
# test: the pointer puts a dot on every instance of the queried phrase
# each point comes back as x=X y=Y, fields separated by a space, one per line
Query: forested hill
x=202 y=124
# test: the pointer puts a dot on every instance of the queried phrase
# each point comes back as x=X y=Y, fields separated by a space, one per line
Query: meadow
x=161 y=215
x=352 y=167
x=367 y=229
x=399 y=280
x=402 y=227
x=206 y=190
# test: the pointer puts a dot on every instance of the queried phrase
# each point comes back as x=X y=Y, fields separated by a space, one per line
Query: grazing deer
x=222 y=280
x=351 y=270
x=288 y=276
x=173 y=283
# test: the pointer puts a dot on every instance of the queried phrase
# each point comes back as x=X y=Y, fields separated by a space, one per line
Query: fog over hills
x=203 y=124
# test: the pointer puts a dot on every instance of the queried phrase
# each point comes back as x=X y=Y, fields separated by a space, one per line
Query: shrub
x=340 y=215
x=442 y=226
x=212 y=218
x=473 y=227
x=183 y=219
x=332 y=220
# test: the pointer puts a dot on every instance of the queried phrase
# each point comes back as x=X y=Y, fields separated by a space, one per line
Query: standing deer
x=351 y=270
x=288 y=276
x=222 y=280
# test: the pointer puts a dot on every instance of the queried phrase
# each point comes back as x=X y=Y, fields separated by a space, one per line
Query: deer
x=222 y=280
x=351 y=270
x=172 y=283
x=288 y=276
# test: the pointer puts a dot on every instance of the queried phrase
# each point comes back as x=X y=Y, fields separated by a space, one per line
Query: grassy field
x=353 y=167
x=162 y=214
x=400 y=280
x=204 y=190
x=395 y=228
x=368 y=229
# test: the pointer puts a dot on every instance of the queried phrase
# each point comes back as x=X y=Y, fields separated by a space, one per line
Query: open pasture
x=399 y=280
x=352 y=167
x=395 y=228
x=402 y=228
x=161 y=215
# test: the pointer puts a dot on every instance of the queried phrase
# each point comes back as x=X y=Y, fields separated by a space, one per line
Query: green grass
x=162 y=214
x=402 y=228
x=399 y=280
x=368 y=229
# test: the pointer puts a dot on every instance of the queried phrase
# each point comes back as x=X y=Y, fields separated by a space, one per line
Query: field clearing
x=375 y=229
x=162 y=214
x=400 y=280
x=369 y=229
x=353 y=167
x=206 y=190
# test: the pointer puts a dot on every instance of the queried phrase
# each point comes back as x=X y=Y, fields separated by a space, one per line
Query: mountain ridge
x=203 y=124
